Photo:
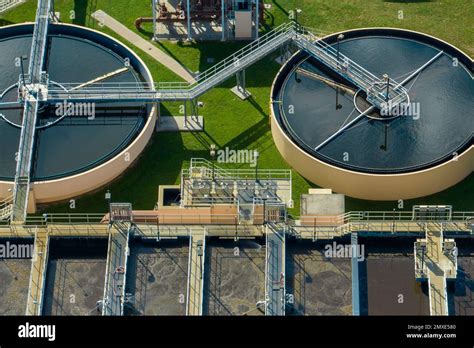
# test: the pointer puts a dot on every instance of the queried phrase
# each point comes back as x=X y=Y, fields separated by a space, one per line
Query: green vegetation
x=245 y=125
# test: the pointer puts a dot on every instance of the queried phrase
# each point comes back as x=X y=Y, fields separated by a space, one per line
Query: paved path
x=143 y=44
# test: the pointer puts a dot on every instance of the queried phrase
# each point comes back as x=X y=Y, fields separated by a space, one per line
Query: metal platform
x=436 y=262
x=379 y=91
x=204 y=183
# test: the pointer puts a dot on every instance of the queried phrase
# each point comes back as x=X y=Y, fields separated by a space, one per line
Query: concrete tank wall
x=375 y=186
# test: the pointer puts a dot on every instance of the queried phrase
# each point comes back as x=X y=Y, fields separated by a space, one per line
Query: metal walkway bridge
x=275 y=293
x=31 y=86
x=119 y=231
x=147 y=92
x=375 y=88
x=195 y=287
x=116 y=273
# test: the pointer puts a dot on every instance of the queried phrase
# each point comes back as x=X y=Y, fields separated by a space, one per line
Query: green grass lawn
x=245 y=125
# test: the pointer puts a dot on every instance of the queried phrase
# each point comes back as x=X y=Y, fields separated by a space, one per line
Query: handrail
x=284 y=28
x=197 y=163
x=180 y=90
x=9 y=4
x=7 y=201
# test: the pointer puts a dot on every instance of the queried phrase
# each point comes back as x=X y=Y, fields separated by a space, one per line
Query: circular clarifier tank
x=81 y=148
x=419 y=148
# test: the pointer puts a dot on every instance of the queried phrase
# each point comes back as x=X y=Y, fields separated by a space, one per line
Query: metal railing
x=401 y=215
x=37 y=281
x=376 y=221
x=187 y=219
x=7 y=4
x=178 y=90
x=355 y=217
x=305 y=38
x=6 y=207
x=206 y=168
x=69 y=219
x=34 y=76
x=350 y=70
x=39 y=41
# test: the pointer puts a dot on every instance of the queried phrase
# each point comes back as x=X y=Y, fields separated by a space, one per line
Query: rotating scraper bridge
x=244 y=218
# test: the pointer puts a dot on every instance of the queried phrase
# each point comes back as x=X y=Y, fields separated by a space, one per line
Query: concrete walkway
x=143 y=44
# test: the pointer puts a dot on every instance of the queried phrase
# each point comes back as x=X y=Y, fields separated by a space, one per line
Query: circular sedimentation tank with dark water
x=78 y=152
x=419 y=152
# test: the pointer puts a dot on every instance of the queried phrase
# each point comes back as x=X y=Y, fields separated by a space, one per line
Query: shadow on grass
x=407 y=1
x=4 y=22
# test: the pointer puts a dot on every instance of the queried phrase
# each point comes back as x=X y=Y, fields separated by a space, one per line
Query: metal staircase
x=6 y=207
x=8 y=4
x=381 y=93
x=119 y=92
x=375 y=88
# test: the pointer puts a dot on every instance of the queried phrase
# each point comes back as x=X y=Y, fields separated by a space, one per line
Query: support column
x=240 y=90
x=185 y=110
x=257 y=18
x=194 y=109
x=188 y=17
x=182 y=122
x=223 y=19
x=158 y=115
x=154 y=19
